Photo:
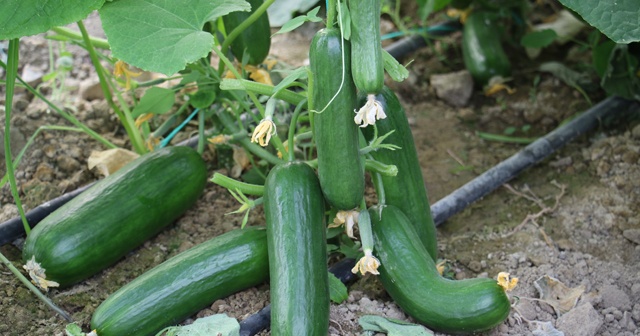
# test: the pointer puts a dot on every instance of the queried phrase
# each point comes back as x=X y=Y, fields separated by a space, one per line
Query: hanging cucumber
x=184 y=284
x=409 y=275
x=406 y=190
x=294 y=211
x=367 y=64
x=255 y=40
x=482 y=51
x=114 y=216
x=336 y=135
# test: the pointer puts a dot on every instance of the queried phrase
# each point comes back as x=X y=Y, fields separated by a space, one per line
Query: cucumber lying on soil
x=114 y=216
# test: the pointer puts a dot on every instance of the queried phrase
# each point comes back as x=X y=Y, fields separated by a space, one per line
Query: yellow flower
x=368 y=263
x=505 y=282
x=286 y=148
x=462 y=15
x=370 y=112
x=121 y=70
x=263 y=132
x=347 y=218
x=142 y=119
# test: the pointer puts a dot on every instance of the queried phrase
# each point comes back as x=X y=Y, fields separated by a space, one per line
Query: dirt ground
x=583 y=202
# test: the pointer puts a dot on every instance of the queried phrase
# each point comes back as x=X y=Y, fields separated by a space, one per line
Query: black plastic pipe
x=612 y=107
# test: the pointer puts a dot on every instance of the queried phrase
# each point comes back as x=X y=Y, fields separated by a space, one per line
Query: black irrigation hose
x=412 y=43
x=610 y=108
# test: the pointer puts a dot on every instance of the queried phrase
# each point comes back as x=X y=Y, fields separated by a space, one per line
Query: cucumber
x=406 y=190
x=336 y=135
x=482 y=50
x=256 y=39
x=409 y=275
x=299 y=284
x=367 y=64
x=117 y=214
x=184 y=284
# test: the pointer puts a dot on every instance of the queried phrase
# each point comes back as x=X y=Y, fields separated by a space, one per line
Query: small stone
x=633 y=235
x=90 y=89
x=635 y=133
x=582 y=320
x=609 y=318
x=32 y=75
x=67 y=164
x=44 y=172
x=613 y=296
x=475 y=266
x=454 y=88
x=467 y=114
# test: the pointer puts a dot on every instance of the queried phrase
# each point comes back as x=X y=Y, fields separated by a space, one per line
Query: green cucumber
x=117 y=214
x=296 y=239
x=409 y=275
x=255 y=40
x=336 y=135
x=367 y=64
x=406 y=190
x=184 y=284
x=482 y=50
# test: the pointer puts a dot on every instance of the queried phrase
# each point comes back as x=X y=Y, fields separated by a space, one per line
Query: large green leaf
x=161 y=35
x=617 y=19
x=29 y=17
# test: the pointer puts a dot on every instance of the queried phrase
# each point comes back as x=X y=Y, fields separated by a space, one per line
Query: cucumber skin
x=409 y=275
x=185 y=283
x=367 y=64
x=482 y=50
x=406 y=190
x=336 y=134
x=256 y=39
x=117 y=214
x=296 y=239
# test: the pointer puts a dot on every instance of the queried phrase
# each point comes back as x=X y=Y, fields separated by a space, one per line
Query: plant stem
x=292 y=130
x=505 y=138
x=126 y=120
x=377 y=181
x=12 y=71
x=201 y=137
x=331 y=13
x=33 y=288
x=231 y=184
x=95 y=41
x=374 y=166
x=263 y=89
x=246 y=23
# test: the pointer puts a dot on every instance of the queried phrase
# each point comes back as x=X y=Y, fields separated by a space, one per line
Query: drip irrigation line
x=610 y=108
x=412 y=43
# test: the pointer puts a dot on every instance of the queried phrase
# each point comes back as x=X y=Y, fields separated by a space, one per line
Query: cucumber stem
x=12 y=72
x=292 y=129
x=95 y=41
x=33 y=288
x=231 y=184
x=378 y=167
x=331 y=13
x=263 y=89
x=379 y=186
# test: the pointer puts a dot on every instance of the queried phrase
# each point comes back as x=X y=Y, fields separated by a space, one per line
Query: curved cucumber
x=409 y=275
x=294 y=211
x=482 y=51
x=256 y=39
x=336 y=135
x=406 y=190
x=116 y=215
x=367 y=63
x=184 y=284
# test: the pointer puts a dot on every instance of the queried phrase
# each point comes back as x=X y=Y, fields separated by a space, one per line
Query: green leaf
x=337 y=290
x=298 y=21
x=396 y=71
x=343 y=11
x=617 y=19
x=203 y=98
x=392 y=327
x=156 y=100
x=281 y=10
x=73 y=329
x=621 y=78
x=538 y=39
x=29 y=17
x=163 y=36
x=219 y=324
x=299 y=73
x=600 y=56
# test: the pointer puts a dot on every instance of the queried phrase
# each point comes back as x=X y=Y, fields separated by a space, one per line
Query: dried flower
x=368 y=263
x=347 y=218
x=263 y=132
x=505 y=282
x=370 y=112
x=38 y=276
x=122 y=70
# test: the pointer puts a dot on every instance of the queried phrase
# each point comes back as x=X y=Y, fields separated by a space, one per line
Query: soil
x=583 y=201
